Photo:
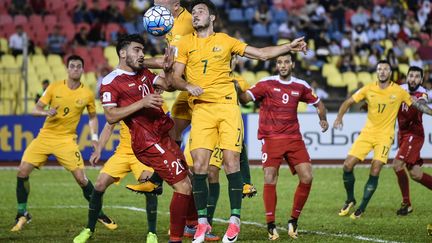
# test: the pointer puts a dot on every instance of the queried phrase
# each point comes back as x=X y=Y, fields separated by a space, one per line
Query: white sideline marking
x=357 y=237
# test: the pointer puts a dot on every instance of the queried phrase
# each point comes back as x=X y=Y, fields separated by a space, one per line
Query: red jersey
x=279 y=100
x=409 y=118
x=121 y=88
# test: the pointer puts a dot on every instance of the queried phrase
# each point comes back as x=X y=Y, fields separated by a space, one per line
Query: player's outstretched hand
x=168 y=59
x=194 y=90
x=338 y=124
x=52 y=111
x=152 y=101
x=324 y=125
x=95 y=156
x=298 y=45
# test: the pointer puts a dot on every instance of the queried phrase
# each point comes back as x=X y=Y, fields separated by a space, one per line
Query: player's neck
x=125 y=68
x=73 y=84
x=384 y=85
x=285 y=78
x=204 y=33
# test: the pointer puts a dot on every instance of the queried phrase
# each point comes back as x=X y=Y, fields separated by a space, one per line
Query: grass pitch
x=60 y=211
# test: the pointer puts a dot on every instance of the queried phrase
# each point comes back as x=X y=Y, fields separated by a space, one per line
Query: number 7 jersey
x=383 y=107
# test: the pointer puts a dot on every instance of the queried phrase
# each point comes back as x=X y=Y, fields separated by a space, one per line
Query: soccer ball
x=158 y=21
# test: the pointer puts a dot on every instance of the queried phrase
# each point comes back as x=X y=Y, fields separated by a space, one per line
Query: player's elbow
x=111 y=119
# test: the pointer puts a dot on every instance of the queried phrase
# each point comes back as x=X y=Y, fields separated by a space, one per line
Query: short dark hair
x=125 y=40
x=46 y=81
x=384 y=61
x=73 y=58
x=415 y=69
x=211 y=7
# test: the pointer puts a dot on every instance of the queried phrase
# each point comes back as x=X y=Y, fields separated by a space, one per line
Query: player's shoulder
x=269 y=80
x=115 y=75
x=300 y=82
x=57 y=83
x=404 y=86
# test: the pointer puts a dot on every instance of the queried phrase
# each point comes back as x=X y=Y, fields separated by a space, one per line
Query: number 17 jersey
x=383 y=107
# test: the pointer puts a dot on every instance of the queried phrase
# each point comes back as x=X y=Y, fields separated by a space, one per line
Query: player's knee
x=24 y=169
x=306 y=179
x=82 y=181
x=213 y=175
x=100 y=186
x=397 y=165
x=270 y=177
x=415 y=175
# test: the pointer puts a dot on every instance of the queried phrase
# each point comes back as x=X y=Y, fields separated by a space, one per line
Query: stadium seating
x=261 y=74
x=350 y=79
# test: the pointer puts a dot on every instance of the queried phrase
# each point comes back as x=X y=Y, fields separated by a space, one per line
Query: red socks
x=404 y=186
x=178 y=212
x=300 y=197
x=270 y=201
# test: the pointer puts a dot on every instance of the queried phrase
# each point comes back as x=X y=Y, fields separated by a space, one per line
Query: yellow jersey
x=383 y=107
x=243 y=84
x=182 y=26
x=70 y=105
x=125 y=145
x=208 y=65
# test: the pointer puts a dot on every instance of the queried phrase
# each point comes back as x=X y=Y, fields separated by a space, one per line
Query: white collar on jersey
x=286 y=82
x=121 y=71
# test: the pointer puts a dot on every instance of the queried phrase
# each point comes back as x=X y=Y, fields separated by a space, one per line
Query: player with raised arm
x=279 y=131
x=204 y=58
x=384 y=99
x=116 y=168
x=128 y=94
x=67 y=100
x=411 y=138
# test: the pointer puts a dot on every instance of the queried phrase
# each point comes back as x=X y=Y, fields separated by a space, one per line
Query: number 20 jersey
x=121 y=88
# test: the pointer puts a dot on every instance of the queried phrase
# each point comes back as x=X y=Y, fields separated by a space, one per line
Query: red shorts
x=409 y=150
x=275 y=150
x=166 y=159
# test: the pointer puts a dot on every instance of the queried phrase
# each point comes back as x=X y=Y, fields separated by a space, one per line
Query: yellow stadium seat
x=334 y=59
x=388 y=44
x=409 y=52
x=364 y=77
x=4 y=45
x=335 y=80
x=357 y=60
x=311 y=44
x=403 y=68
x=54 y=60
x=249 y=77
x=38 y=60
x=301 y=107
x=350 y=79
x=328 y=68
x=8 y=61
x=43 y=76
x=262 y=74
x=283 y=41
x=43 y=69
x=110 y=51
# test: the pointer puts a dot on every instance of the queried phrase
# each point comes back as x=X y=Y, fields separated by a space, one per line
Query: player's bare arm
x=103 y=139
x=154 y=62
x=269 y=52
x=39 y=110
x=165 y=80
x=322 y=114
x=420 y=104
x=94 y=128
x=245 y=97
x=180 y=84
x=338 y=124
x=116 y=114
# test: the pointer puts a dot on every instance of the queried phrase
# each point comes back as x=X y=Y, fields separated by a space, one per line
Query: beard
x=285 y=74
x=202 y=27
x=383 y=80
x=130 y=63
x=411 y=88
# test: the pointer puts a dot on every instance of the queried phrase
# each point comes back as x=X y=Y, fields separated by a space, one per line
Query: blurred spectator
x=80 y=38
x=38 y=7
x=19 y=7
x=375 y=33
x=393 y=28
x=335 y=49
x=80 y=12
x=373 y=60
x=361 y=17
x=359 y=34
x=321 y=93
x=113 y=13
x=96 y=12
x=39 y=94
x=411 y=23
x=337 y=13
x=56 y=42
x=101 y=71
x=394 y=63
x=96 y=35
x=18 y=40
x=423 y=13
x=346 y=63
x=428 y=87
x=416 y=61
x=287 y=30
x=263 y=14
